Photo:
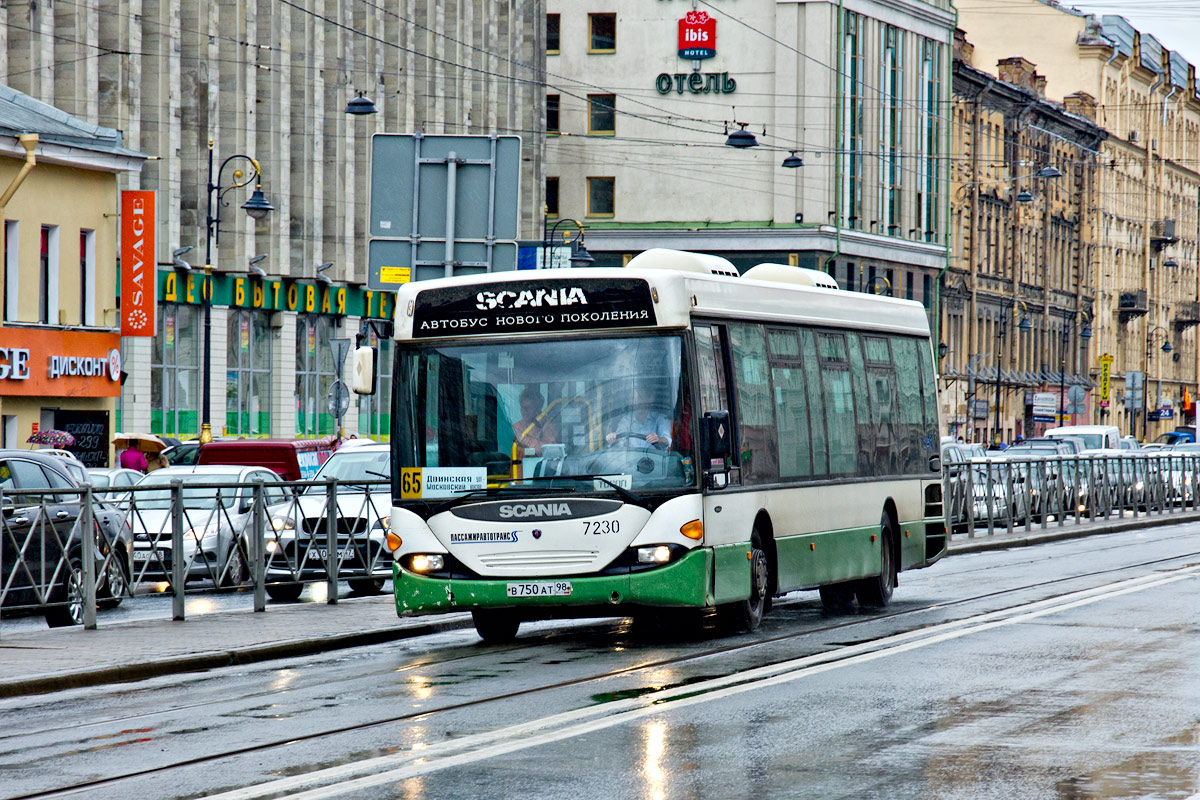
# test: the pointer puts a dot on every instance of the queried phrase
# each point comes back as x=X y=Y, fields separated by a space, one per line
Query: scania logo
x=523 y=510
x=531 y=298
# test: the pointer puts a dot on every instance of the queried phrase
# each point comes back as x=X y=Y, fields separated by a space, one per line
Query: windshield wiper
x=378 y=474
x=627 y=495
x=491 y=491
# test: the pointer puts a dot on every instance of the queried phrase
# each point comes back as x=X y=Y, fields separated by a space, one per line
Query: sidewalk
x=48 y=660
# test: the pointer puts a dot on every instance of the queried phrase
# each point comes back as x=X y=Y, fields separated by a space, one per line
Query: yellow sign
x=395 y=274
x=1106 y=362
x=410 y=483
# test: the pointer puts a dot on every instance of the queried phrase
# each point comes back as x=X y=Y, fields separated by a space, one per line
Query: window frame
x=592 y=50
x=553 y=51
x=613 y=182
x=591 y=113
x=552 y=212
x=554 y=101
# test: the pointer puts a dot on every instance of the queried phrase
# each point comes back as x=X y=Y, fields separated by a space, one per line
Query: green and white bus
x=612 y=442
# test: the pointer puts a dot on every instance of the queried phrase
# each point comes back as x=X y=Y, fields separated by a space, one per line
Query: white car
x=218 y=502
x=297 y=536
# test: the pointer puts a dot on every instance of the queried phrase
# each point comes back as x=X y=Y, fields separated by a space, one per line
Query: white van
x=1095 y=437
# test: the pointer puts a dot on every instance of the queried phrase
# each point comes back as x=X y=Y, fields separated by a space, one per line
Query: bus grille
x=567 y=558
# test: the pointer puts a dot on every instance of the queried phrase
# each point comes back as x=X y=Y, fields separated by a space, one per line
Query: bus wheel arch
x=766 y=532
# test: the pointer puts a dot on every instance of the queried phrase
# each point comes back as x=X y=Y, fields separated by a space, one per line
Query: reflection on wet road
x=1069 y=670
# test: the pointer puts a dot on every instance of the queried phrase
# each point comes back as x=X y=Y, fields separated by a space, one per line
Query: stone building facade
x=1146 y=196
x=1019 y=295
x=271 y=80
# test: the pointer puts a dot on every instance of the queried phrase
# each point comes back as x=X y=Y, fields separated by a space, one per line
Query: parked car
x=1094 y=437
x=1181 y=435
x=1130 y=443
x=1044 y=447
x=215 y=520
x=291 y=459
x=111 y=486
x=297 y=543
x=40 y=554
x=183 y=454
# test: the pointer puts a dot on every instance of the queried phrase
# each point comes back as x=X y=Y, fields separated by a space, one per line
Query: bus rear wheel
x=877 y=591
x=495 y=627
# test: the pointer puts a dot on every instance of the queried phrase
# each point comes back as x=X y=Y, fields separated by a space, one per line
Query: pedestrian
x=131 y=458
x=155 y=461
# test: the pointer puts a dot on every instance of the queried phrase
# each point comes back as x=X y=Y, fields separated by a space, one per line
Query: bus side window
x=755 y=419
x=714 y=394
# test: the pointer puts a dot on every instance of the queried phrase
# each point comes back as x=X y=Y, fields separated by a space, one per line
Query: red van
x=292 y=459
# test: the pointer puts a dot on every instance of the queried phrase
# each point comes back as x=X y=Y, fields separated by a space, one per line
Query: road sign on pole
x=441 y=206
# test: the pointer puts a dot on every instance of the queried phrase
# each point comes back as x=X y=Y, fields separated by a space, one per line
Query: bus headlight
x=427 y=562
x=654 y=555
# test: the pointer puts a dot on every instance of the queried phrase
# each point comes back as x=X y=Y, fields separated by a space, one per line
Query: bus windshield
x=615 y=407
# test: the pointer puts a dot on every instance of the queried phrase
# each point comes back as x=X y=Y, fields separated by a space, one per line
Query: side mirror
x=935 y=463
x=716 y=436
x=366 y=363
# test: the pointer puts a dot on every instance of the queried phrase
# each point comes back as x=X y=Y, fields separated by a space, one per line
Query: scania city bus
x=670 y=435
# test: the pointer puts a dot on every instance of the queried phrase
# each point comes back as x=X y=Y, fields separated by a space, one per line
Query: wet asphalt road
x=1066 y=670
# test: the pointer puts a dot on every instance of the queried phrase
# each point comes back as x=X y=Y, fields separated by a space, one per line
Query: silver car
x=297 y=538
x=218 y=502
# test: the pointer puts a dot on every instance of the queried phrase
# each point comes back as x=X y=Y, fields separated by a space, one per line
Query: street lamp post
x=1002 y=330
x=580 y=257
x=1151 y=336
x=256 y=207
x=1068 y=329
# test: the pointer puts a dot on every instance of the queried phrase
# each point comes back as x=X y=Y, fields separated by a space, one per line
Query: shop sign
x=1106 y=362
x=138 y=226
x=90 y=429
x=697 y=36
x=275 y=295
x=48 y=363
x=1045 y=406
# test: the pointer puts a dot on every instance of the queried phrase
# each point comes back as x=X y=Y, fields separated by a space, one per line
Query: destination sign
x=533 y=306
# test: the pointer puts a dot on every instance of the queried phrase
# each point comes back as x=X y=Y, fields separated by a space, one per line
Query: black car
x=40 y=554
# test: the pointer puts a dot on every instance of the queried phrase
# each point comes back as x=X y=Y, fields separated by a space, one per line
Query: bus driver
x=642 y=427
x=533 y=430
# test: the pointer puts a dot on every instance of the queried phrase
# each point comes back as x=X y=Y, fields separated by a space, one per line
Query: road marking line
x=557 y=727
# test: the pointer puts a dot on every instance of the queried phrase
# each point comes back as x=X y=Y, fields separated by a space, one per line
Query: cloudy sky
x=1175 y=23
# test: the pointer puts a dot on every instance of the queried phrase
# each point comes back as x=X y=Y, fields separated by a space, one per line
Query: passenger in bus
x=643 y=427
x=533 y=429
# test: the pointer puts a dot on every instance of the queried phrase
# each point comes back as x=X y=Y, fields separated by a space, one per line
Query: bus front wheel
x=746 y=614
x=495 y=627
x=877 y=591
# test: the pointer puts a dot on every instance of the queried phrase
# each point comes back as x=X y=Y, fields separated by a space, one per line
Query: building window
x=87 y=277
x=852 y=71
x=602 y=113
x=375 y=410
x=551 y=197
x=891 y=127
x=174 y=371
x=602 y=33
x=551 y=113
x=11 y=284
x=600 y=197
x=48 y=267
x=552 y=34
x=314 y=376
x=248 y=369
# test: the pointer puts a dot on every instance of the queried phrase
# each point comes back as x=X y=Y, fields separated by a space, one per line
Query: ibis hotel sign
x=697 y=36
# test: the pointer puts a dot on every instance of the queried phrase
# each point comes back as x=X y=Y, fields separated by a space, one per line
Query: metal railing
x=185 y=538
x=985 y=496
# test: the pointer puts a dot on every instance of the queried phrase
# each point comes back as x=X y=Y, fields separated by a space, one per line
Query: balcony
x=1187 y=315
x=1132 y=304
x=1162 y=233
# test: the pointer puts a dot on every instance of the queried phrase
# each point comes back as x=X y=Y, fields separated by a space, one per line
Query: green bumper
x=687 y=582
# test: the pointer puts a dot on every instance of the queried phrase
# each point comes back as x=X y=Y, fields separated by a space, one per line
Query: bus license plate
x=540 y=589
